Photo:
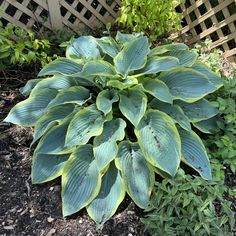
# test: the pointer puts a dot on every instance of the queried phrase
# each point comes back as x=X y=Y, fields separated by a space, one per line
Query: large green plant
x=111 y=114
x=154 y=17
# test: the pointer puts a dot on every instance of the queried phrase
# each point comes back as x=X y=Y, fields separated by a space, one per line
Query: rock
x=50 y=219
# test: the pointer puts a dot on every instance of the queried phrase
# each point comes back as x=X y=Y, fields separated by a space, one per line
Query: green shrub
x=187 y=206
x=111 y=114
x=153 y=17
x=21 y=46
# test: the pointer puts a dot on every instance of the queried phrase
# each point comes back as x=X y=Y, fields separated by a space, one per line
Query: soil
x=27 y=209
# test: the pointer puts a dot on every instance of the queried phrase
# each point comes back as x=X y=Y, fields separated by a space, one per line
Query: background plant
x=111 y=114
x=153 y=17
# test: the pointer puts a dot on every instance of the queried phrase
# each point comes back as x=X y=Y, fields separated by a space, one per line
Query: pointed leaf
x=159 y=140
x=108 y=46
x=83 y=47
x=61 y=66
x=187 y=84
x=199 y=110
x=124 y=38
x=105 y=99
x=111 y=194
x=104 y=146
x=47 y=167
x=194 y=153
x=174 y=111
x=132 y=57
x=126 y=83
x=28 y=112
x=133 y=104
x=207 y=126
x=29 y=86
x=158 y=89
x=85 y=124
x=137 y=173
x=81 y=180
x=76 y=94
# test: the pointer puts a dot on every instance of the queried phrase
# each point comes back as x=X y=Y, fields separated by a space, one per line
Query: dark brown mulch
x=36 y=210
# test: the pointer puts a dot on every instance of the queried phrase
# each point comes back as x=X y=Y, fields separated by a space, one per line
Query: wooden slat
x=55 y=14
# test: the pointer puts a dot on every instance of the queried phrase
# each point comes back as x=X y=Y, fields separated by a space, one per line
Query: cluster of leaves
x=187 y=206
x=152 y=17
x=111 y=114
x=20 y=46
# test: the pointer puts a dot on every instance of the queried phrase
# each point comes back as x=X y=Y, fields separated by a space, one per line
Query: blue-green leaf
x=207 y=126
x=108 y=46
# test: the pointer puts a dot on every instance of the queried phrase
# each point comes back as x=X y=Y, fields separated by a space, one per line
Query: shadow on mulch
x=36 y=210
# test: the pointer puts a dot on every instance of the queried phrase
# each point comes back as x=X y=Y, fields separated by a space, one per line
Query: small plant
x=187 y=206
x=111 y=114
x=20 y=46
x=153 y=17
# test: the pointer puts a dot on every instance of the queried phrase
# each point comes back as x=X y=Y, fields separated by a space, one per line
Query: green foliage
x=153 y=17
x=20 y=46
x=113 y=107
x=187 y=206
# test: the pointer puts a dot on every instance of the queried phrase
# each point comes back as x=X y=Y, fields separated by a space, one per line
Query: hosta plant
x=111 y=114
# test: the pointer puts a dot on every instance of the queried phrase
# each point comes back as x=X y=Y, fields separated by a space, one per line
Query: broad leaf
x=194 y=153
x=207 y=126
x=83 y=47
x=47 y=167
x=133 y=104
x=61 y=66
x=126 y=83
x=137 y=173
x=28 y=112
x=159 y=141
x=108 y=46
x=105 y=99
x=85 y=124
x=132 y=57
x=54 y=115
x=29 y=86
x=174 y=111
x=158 y=89
x=213 y=77
x=111 y=194
x=124 y=38
x=187 y=84
x=81 y=180
x=104 y=146
x=157 y=64
x=198 y=111
x=76 y=94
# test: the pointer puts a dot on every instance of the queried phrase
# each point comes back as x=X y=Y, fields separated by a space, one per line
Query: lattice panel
x=213 y=19
x=57 y=14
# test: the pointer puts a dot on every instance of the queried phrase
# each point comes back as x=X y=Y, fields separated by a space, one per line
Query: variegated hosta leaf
x=108 y=46
x=187 y=84
x=58 y=82
x=83 y=47
x=97 y=68
x=158 y=89
x=84 y=125
x=81 y=180
x=104 y=146
x=62 y=66
x=76 y=94
x=186 y=58
x=122 y=39
x=111 y=194
x=133 y=104
x=213 y=77
x=53 y=142
x=47 y=167
x=28 y=112
x=105 y=99
x=159 y=140
x=25 y=90
x=136 y=172
x=199 y=110
x=54 y=115
x=174 y=111
x=194 y=153
x=157 y=64
x=126 y=83
x=167 y=48
x=132 y=57
x=207 y=126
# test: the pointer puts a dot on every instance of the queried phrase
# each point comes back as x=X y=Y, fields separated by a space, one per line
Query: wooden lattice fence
x=213 y=19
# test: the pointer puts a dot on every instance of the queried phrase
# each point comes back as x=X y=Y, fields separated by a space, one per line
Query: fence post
x=55 y=14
